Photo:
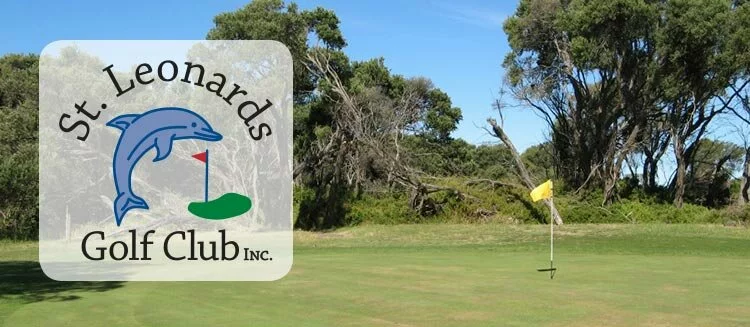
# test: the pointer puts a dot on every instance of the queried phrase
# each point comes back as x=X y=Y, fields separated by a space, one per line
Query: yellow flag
x=543 y=191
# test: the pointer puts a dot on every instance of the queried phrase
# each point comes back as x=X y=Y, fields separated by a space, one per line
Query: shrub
x=734 y=215
x=381 y=208
x=484 y=203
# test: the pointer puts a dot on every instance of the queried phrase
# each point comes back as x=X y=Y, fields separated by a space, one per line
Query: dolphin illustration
x=156 y=128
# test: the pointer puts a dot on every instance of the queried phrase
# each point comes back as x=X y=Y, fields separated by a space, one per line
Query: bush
x=19 y=194
x=381 y=208
x=483 y=203
x=19 y=163
x=735 y=215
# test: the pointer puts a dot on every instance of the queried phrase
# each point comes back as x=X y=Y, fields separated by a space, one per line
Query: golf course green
x=428 y=275
x=226 y=206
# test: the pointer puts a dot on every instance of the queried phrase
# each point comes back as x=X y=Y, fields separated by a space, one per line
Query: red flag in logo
x=200 y=156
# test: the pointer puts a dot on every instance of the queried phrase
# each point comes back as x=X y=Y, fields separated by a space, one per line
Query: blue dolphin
x=156 y=128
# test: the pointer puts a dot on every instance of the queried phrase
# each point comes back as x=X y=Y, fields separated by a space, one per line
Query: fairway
x=428 y=275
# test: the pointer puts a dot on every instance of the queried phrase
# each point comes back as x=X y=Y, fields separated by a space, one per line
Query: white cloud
x=472 y=15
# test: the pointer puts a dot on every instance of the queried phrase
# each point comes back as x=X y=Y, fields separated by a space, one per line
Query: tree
x=741 y=110
x=711 y=172
x=539 y=159
x=583 y=66
x=454 y=157
x=274 y=20
x=374 y=112
x=740 y=107
x=653 y=144
x=696 y=71
x=313 y=116
x=615 y=77
x=18 y=131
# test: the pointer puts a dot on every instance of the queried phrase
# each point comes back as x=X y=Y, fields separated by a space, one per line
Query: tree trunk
x=745 y=183
x=650 y=168
x=679 y=185
x=652 y=175
x=646 y=175
x=610 y=186
x=614 y=162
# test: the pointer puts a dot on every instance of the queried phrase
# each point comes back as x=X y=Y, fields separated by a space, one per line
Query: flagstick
x=544 y=191
x=551 y=237
x=206 y=188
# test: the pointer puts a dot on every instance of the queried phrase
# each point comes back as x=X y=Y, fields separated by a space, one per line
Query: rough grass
x=429 y=275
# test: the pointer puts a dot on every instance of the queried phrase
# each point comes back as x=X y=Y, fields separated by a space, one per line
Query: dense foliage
x=624 y=78
x=622 y=84
x=19 y=134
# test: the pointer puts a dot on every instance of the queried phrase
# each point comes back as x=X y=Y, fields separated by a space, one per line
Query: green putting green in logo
x=227 y=206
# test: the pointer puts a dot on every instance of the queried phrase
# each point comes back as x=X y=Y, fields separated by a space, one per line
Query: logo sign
x=165 y=160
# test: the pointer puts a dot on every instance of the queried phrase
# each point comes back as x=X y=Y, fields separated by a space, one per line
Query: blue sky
x=459 y=45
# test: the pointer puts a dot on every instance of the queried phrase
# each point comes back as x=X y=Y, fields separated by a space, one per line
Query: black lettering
x=145 y=244
x=120 y=91
x=263 y=256
x=192 y=245
x=254 y=255
x=233 y=93
x=139 y=73
x=160 y=71
x=257 y=112
x=112 y=250
x=80 y=109
x=219 y=86
x=260 y=131
x=224 y=244
x=201 y=248
x=132 y=244
x=190 y=66
x=100 y=249
x=74 y=126
x=166 y=245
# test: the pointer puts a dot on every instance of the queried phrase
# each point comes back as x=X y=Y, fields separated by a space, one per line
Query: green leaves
x=693 y=42
x=603 y=71
x=19 y=83
x=19 y=162
x=441 y=117
x=274 y=20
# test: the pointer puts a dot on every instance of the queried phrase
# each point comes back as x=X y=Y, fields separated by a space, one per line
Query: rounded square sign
x=165 y=160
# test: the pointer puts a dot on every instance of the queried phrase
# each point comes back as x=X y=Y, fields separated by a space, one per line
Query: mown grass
x=429 y=275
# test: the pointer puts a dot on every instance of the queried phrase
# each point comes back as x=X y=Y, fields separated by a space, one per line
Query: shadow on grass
x=25 y=280
x=540 y=218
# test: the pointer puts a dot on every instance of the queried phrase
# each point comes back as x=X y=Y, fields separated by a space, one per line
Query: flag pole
x=544 y=192
x=551 y=237
x=205 y=198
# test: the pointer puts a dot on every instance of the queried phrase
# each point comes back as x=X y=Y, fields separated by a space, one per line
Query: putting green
x=227 y=206
x=428 y=275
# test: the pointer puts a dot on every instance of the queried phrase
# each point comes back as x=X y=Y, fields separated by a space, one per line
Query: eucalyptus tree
x=612 y=78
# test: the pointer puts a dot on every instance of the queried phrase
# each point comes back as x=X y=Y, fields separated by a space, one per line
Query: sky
x=459 y=45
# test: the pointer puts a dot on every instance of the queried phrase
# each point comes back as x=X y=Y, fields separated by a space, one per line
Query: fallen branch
x=493 y=183
x=430 y=188
x=498 y=132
